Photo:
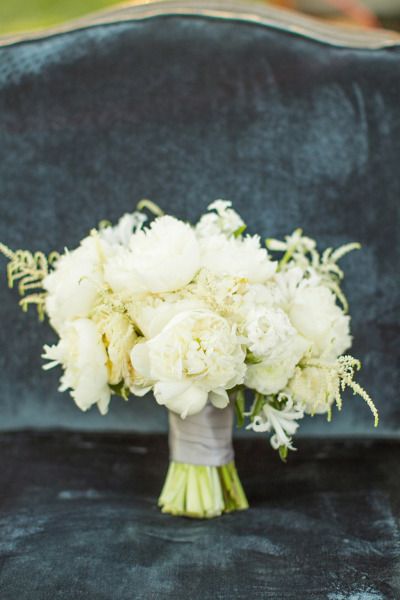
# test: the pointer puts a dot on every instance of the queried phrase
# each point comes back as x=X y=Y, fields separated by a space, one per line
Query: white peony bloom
x=271 y=375
x=282 y=421
x=163 y=258
x=312 y=388
x=153 y=315
x=121 y=233
x=82 y=355
x=224 y=220
x=317 y=317
x=196 y=355
x=75 y=283
x=237 y=257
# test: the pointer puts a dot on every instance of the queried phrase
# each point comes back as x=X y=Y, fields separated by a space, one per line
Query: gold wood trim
x=239 y=10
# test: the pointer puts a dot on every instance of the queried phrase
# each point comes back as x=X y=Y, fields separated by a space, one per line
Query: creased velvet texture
x=184 y=110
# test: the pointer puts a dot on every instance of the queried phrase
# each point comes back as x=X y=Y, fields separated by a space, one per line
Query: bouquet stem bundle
x=202 y=492
x=202 y=481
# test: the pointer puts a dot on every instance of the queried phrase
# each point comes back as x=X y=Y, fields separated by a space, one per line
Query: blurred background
x=27 y=15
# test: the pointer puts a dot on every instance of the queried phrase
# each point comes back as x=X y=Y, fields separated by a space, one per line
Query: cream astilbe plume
x=29 y=269
x=334 y=379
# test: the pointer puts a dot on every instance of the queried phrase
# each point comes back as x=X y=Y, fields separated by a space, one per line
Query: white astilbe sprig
x=340 y=375
x=301 y=251
x=278 y=415
x=120 y=234
x=294 y=247
x=220 y=218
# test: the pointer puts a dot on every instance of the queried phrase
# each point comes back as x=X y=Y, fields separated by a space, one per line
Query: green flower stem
x=202 y=492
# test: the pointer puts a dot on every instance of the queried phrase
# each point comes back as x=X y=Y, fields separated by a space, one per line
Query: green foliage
x=27 y=15
x=239 y=231
x=283 y=453
x=259 y=401
x=240 y=405
x=118 y=389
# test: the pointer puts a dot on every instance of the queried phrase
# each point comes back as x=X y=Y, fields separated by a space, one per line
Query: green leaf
x=240 y=407
x=283 y=453
x=251 y=359
x=119 y=389
x=239 y=231
x=104 y=224
x=259 y=402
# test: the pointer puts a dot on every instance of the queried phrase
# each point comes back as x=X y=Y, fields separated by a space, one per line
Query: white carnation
x=271 y=374
x=196 y=355
x=75 y=283
x=312 y=388
x=317 y=317
x=237 y=257
x=163 y=258
x=82 y=355
x=268 y=331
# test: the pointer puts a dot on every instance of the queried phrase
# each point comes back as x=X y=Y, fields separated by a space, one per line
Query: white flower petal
x=219 y=398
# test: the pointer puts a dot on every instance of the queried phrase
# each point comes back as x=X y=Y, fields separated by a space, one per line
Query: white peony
x=224 y=220
x=237 y=257
x=163 y=258
x=312 y=388
x=196 y=356
x=75 y=283
x=152 y=314
x=82 y=355
x=271 y=375
x=317 y=317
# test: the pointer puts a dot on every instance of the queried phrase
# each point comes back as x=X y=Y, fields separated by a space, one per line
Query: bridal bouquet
x=204 y=318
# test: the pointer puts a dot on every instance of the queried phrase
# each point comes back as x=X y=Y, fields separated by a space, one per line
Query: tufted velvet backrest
x=184 y=109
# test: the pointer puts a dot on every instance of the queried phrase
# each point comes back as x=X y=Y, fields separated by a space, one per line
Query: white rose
x=75 y=283
x=196 y=355
x=163 y=258
x=312 y=388
x=271 y=375
x=82 y=355
x=237 y=257
x=316 y=316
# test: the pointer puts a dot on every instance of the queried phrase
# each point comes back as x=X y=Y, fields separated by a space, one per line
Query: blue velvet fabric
x=184 y=110
x=79 y=521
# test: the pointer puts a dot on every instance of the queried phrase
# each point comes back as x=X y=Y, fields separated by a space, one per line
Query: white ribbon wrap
x=204 y=438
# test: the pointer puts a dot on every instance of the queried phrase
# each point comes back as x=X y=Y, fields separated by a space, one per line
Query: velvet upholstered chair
x=297 y=123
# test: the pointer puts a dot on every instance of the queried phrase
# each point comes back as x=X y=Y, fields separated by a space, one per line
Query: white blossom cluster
x=197 y=313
